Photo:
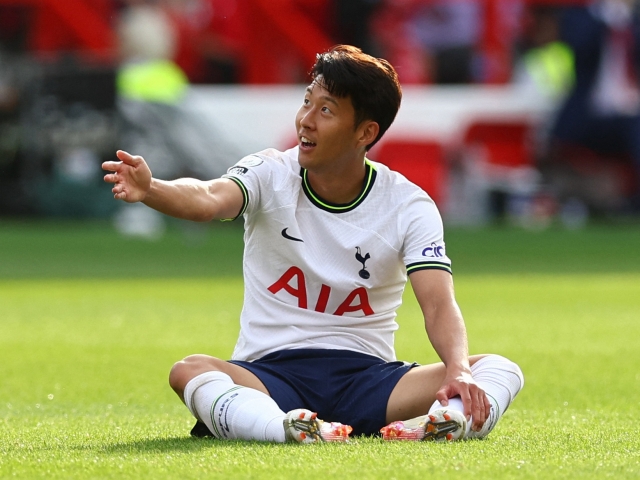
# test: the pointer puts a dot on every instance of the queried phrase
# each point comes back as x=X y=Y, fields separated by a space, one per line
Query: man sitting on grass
x=330 y=239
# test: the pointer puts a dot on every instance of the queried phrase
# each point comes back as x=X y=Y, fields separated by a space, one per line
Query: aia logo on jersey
x=293 y=282
x=434 y=251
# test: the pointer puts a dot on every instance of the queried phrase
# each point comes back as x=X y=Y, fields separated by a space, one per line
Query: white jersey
x=321 y=275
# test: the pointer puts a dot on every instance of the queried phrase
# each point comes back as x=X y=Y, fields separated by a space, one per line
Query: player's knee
x=509 y=366
x=190 y=367
x=515 y=369
x=176 y=375
x=498 y=362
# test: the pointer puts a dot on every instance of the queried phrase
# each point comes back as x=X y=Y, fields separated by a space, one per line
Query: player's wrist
x=457 y=369
x=151 y=192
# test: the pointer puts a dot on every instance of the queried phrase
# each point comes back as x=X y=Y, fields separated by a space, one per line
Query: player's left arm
x=448 y=335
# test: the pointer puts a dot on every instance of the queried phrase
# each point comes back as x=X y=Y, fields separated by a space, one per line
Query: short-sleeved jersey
x=322 y=275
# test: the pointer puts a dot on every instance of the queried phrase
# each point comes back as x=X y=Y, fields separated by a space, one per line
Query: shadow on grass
x=176 y=444
x=192 y=445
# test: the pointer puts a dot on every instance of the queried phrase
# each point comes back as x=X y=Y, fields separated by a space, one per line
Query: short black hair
x=371 y=83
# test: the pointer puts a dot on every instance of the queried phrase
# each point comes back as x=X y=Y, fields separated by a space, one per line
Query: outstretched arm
x=448 y=335
x=185 y=198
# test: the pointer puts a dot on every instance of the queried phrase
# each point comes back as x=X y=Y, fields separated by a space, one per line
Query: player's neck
x=338 y=186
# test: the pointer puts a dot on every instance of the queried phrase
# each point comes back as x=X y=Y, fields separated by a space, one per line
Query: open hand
x=131 y=177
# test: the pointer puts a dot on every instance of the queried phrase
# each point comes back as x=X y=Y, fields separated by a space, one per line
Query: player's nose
x=306 y=119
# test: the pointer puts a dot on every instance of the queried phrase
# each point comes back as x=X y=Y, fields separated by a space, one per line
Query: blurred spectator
x=147 y=44
x=440 y=41
x=546 y=64
x=209 y=38
x=353 y=23
x=156 y=123
x=449 y=31
x=601 y=116
x=394 y=41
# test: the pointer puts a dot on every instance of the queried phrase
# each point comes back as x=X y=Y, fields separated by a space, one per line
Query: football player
x=331 y=238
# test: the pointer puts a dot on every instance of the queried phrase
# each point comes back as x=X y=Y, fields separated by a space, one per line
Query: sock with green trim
x=232 y=411
x=501 y=379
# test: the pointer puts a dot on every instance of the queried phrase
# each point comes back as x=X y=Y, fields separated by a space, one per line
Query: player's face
x=325 y=126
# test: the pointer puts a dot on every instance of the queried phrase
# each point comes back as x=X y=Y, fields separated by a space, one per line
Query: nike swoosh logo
x=289 y=237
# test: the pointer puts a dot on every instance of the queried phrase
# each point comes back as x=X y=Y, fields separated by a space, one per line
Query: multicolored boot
x=303 y=426
x=439 y=425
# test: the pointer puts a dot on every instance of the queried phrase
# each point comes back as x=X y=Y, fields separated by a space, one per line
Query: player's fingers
x=120 y=195
x=111 y=166
x=479 y=412
x=442 y=396
x=126 y=157
x=487 y=407
x=111 y=178
x=467 y=404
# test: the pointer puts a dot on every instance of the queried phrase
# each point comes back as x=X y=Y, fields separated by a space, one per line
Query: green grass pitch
x=90 y=324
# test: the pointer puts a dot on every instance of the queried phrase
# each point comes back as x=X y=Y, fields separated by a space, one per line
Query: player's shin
x=501 y=379
x=231 y=411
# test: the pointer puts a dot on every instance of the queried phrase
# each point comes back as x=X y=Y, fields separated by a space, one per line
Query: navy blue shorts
x=340 y=385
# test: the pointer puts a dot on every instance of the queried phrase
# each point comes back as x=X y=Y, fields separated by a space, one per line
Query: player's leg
x=234 y=404
x=231 y=401
x=193 y=365
x=500 y=378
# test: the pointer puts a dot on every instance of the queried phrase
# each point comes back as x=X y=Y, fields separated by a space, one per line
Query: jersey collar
x=369 y=180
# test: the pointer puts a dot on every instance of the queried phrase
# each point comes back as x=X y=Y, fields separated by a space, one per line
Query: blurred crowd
x=584 y=54
x=431 y=41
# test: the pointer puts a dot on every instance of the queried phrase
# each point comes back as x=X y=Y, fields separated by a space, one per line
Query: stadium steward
x=331 y=238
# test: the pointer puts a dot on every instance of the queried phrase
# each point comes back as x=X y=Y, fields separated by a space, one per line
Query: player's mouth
x=306 y=143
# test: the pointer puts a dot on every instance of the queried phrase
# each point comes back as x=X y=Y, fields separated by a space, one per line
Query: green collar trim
x=369 y=180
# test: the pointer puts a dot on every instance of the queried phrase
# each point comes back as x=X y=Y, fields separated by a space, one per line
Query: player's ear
x=368 y=131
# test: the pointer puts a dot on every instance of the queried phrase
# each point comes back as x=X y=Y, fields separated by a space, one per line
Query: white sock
x=231 y=411
x=501 y=379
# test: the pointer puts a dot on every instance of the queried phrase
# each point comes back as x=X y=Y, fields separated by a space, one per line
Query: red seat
x=503 y=143
x=422 y=162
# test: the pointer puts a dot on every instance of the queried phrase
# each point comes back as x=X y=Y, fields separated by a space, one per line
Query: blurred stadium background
x=193 y=85
x=542 y=219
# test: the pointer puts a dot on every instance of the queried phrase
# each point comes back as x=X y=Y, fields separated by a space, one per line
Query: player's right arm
x=185 y=198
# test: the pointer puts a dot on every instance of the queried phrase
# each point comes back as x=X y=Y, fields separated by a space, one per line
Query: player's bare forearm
x=448 y=335
x=190 y=199
x=443 y=319
x=185 y=198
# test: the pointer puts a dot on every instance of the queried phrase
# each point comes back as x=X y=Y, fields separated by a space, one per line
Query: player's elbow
x=205 y=212
x=203 y=217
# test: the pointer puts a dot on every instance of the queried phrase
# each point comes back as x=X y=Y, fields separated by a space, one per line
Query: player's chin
x=305 y=157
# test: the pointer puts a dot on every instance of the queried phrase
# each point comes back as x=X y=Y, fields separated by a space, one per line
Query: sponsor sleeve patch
x=250 y=161
x=243 y=166
x=237 y=170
